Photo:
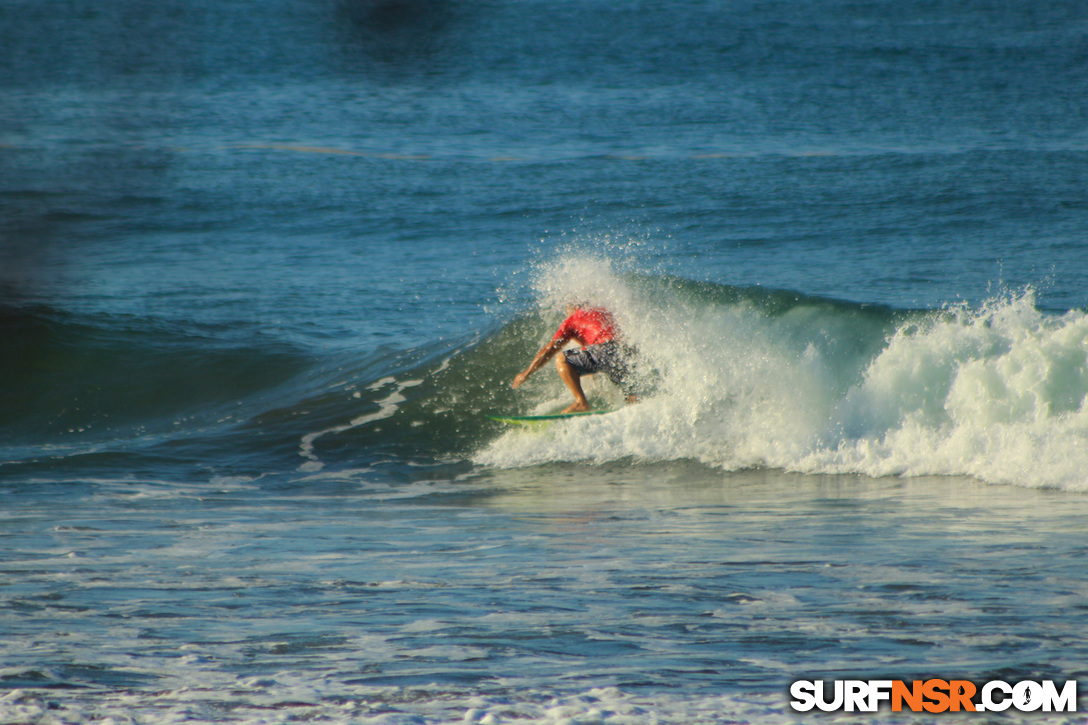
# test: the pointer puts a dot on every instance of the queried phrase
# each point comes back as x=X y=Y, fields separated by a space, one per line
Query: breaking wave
x=734 y=377
x=752 y=378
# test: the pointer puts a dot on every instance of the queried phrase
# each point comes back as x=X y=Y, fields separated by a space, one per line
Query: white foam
x=386 y=408
x=283 y=698
x=997 y=393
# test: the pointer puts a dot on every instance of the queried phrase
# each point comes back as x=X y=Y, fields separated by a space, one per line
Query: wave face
x=111 y=384
x=753 y=378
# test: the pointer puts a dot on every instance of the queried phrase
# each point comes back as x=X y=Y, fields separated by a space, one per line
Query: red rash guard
x=588 y=327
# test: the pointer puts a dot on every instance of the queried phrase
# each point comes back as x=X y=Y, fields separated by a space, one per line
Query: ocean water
x=267 y=267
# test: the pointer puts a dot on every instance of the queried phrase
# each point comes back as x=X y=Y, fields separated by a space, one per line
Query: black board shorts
x=610 y=358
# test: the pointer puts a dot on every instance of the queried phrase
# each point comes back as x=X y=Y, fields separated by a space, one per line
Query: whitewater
x=747 y=378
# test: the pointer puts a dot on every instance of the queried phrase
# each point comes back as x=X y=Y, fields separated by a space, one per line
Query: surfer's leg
x=573 y=381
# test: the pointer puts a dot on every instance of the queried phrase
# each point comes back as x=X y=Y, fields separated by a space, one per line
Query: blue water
x=265 y=268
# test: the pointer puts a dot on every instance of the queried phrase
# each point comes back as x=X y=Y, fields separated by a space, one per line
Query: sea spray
x=736 y=375
x=750 y=378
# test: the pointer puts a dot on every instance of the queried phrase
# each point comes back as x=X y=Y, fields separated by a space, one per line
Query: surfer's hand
x=520 y=378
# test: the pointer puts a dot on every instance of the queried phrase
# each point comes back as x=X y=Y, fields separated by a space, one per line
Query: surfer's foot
x=577 y=408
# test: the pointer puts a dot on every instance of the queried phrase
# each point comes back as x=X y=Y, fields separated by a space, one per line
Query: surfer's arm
x=546 y=353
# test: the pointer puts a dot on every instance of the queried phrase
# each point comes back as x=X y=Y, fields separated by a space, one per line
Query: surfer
x=602 y=351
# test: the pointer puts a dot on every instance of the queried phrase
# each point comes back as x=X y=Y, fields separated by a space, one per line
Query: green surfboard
x=539 y=420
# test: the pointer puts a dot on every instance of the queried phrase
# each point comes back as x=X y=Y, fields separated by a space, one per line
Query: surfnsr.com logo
x=933 y=696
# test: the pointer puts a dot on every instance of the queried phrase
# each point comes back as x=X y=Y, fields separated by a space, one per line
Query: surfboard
x=538 y=420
